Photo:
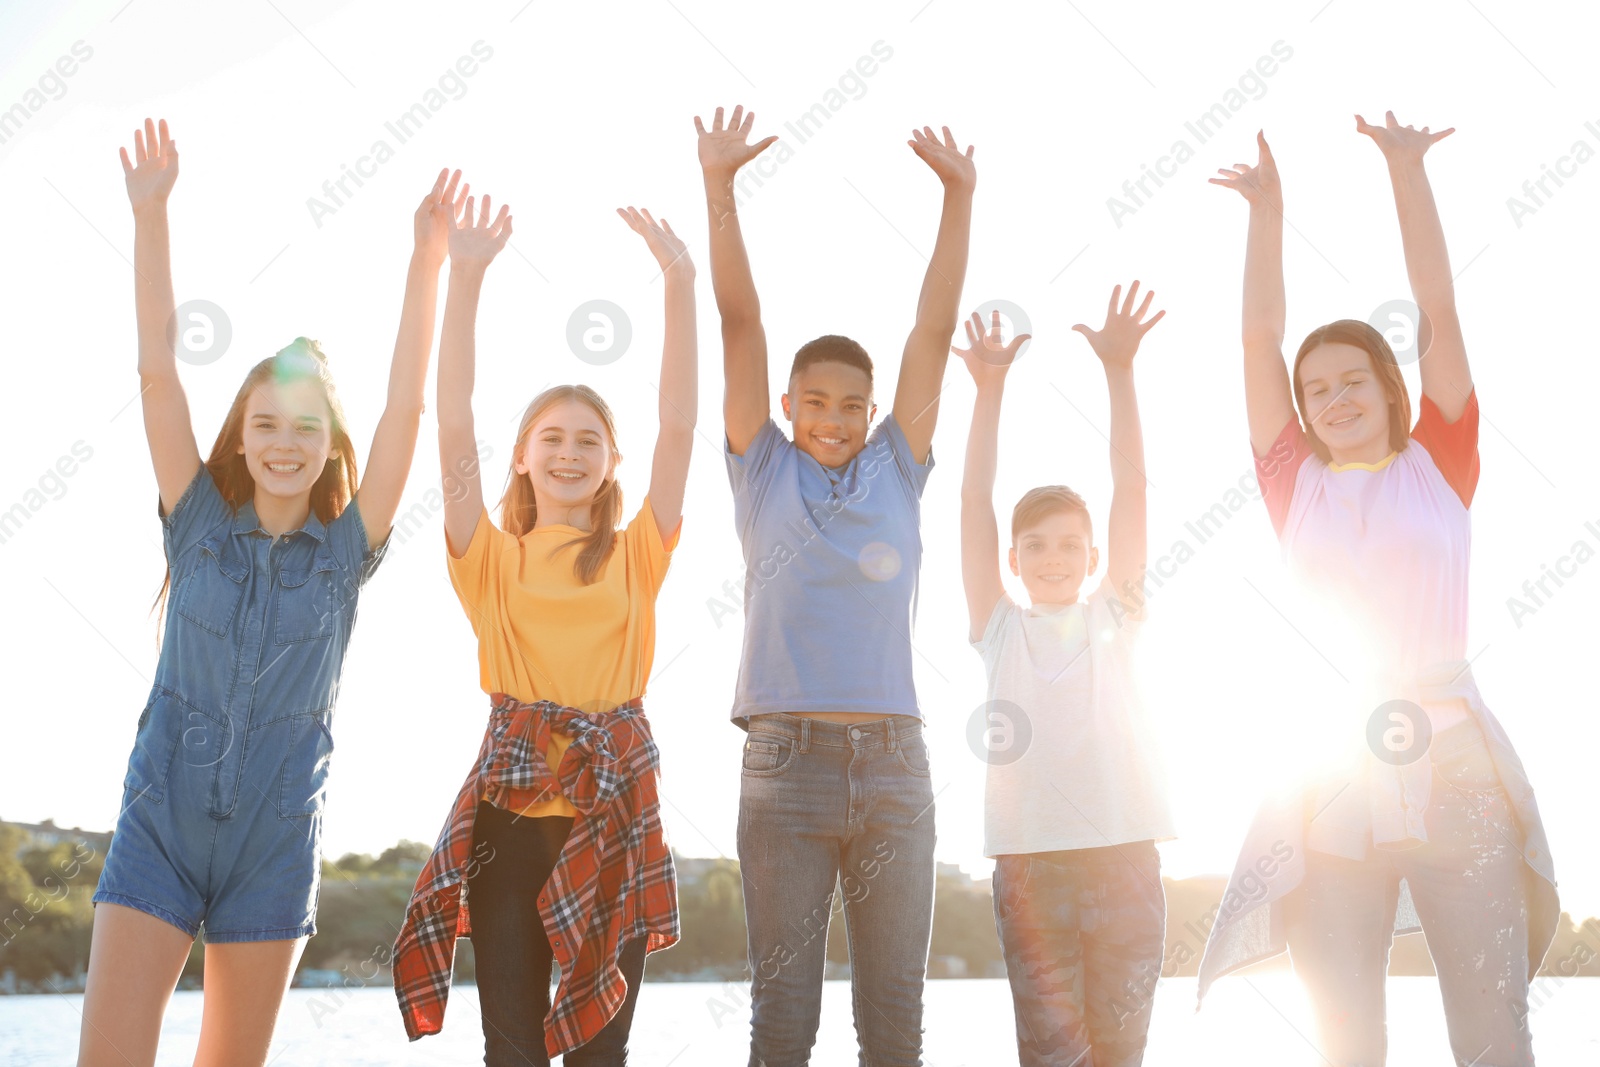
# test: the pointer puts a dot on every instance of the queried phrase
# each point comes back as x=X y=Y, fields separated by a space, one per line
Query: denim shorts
x=221 y=822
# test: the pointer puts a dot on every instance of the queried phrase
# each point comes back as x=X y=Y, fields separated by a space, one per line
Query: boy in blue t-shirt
x=835 y=789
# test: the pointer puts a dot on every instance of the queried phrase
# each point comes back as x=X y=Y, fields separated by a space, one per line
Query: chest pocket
x=209 y=597
x=312 y=597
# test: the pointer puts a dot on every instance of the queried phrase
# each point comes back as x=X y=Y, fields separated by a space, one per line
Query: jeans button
x=855 y=734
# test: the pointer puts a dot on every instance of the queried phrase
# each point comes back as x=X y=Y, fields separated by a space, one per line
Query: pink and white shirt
x=1381 y=550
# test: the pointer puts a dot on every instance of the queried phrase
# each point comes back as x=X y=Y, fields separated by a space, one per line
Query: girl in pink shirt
x=1371 y=513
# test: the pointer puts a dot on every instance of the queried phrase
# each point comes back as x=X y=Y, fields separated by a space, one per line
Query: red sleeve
x=1453 y=446
x=1275 y=471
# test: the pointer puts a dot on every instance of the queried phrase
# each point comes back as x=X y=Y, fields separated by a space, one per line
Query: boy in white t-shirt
x=1074 y=801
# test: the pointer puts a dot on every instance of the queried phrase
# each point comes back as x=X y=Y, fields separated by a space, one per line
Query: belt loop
x=889 y=722
x=805 y=735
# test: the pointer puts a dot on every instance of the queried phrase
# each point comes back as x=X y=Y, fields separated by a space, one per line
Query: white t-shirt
x=1072 y=760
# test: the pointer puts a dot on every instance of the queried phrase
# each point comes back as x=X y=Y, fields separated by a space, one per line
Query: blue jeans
x=1469 y=889
x=512 y=954
x=1083 y=931
x=826 y=806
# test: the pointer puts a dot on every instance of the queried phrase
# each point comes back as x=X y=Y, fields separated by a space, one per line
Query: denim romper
x=221 y=818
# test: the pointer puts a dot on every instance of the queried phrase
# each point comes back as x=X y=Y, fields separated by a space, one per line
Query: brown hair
x=1044 y=500
x=518 y=509
x=833 y=348
x=302 y=360
x=1362 y=336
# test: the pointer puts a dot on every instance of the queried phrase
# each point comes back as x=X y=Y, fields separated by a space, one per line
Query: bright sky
x=573 y=110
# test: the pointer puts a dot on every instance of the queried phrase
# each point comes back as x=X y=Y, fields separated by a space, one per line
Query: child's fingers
x=127 y=167
x=699 y=127
x=166 y=141
x=1133 y=291
x=1158 y=317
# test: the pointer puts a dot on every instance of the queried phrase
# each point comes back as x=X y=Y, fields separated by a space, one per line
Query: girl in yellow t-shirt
x=563 y=605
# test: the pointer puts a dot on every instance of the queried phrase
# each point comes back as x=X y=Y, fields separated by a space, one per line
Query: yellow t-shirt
x=544 y=635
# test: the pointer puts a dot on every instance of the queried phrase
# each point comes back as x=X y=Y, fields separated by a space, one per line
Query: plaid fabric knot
x=614 y=881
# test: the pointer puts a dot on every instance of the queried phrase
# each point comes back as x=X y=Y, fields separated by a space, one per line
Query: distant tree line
x=46 y=916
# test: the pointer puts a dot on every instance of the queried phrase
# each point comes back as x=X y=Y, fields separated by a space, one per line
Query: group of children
x=553 y=853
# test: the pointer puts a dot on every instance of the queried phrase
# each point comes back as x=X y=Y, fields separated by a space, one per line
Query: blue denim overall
x=221 y=818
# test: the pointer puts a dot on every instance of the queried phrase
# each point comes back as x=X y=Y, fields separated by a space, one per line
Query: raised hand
x=432 y=220
x=1258 y=184
x=986 y=358
x=476 y=243
x=724 y=150
x=154 y=168
x=945 y=158
x=1117 y=341
x=668 y=248
x=1400 y=144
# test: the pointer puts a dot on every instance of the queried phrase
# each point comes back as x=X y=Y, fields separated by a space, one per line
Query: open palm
x=153 y=170
x=988 y=359
x=477 y=242
x=1117 y=341
x=723 y=150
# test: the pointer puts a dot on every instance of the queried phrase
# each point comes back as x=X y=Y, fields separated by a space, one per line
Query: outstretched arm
x=395 y=441
x=1116 y=343
x=1268 y=398
x=473 y=245
x=988 y=360
x=916 y=394
x=746 y=400
x=1446 y=378
x=680 y=383
x=149 y=178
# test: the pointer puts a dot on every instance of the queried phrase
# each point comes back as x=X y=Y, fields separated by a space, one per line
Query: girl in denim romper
x=268 y=544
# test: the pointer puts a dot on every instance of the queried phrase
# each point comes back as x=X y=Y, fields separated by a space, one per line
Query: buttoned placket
x=266 y=557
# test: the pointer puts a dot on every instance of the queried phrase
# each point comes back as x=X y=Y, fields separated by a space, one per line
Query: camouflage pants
x=1082 y=932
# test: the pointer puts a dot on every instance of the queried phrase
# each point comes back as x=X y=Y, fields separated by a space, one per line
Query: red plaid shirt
x=614 y=881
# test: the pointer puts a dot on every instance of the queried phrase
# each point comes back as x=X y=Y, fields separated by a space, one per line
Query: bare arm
x=916 y=394
x=680 y=383
x=746 y=397
x=1446 y=377
x=149 y=178
x=988 y=362
x=473 y=246
x=395 y=441
x=1116 y=344
x=1269 y=400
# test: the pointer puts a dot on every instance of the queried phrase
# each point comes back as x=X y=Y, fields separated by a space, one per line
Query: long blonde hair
x=334 y=488
x=518 y=509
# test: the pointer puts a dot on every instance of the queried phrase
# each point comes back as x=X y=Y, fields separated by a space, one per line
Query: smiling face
x=1345 y=402
x=567 y=458
x=831 y=407
x=286 y=436
x=1053 y=556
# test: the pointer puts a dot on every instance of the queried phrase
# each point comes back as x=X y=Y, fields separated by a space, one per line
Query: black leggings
x=513 y=954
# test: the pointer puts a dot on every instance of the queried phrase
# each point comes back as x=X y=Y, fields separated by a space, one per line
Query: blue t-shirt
x=831 y=559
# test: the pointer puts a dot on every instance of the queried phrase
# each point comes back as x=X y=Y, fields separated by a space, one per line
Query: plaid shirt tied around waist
x=613 y=882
